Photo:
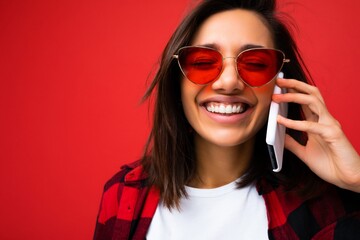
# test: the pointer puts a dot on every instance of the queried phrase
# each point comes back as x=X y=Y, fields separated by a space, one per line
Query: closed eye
x=253 y=64
x=203 y=63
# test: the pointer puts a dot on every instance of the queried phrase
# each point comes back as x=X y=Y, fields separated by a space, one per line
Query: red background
x=71 y=77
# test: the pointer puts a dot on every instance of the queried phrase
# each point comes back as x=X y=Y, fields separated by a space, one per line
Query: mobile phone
x=275 y=134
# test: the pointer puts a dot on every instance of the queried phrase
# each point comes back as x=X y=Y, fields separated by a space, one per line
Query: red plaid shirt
x=128 y=205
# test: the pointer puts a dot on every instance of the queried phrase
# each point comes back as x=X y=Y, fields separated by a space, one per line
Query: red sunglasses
x=256 y=66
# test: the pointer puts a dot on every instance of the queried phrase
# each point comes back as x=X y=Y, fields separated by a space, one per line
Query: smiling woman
x=71 y=76
x=206 y=172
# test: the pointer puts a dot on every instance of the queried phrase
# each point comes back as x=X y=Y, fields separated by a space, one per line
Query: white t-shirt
x=219 y=213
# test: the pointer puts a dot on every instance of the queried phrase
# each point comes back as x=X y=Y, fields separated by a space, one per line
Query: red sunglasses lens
x=259 y=66
x=200 y=65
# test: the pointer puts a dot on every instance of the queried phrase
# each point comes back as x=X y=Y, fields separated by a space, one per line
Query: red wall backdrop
x=71 y=77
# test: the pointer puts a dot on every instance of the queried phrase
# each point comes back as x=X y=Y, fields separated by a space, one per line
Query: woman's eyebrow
x=250 y=46
x=210 y=45
x=242 y=48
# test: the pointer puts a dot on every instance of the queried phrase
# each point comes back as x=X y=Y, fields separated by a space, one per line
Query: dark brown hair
x=169 y=153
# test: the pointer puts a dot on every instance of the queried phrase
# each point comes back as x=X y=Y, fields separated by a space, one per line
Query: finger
x=314 y=110
x=312 y=102
x=294 y=85
x=326 y=131
x=300 y=125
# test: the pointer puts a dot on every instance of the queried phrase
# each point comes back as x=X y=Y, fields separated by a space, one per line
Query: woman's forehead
x=234 y=28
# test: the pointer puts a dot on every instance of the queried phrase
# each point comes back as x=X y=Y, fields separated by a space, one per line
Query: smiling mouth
x=226 y=109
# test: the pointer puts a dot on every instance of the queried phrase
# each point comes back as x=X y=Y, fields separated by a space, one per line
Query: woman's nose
x=229 y=80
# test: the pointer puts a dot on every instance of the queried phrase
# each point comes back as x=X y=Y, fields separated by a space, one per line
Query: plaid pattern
x=128 y=205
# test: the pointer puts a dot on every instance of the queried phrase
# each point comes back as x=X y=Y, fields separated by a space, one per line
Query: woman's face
x=229 y=32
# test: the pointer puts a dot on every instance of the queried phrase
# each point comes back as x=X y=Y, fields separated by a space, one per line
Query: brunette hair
x=169 y=153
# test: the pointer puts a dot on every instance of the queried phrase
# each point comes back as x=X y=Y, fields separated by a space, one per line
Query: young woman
x=206 y=172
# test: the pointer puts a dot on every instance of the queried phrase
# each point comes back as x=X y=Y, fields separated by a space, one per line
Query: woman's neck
x=219 y=165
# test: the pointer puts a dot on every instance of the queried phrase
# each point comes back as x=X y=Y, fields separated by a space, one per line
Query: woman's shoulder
x=336 y=212
x=333 y=211
x=126 y=191
x=129 y=173
x=329 y=198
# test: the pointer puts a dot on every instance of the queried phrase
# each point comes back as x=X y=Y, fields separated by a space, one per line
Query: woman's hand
x=328 y=153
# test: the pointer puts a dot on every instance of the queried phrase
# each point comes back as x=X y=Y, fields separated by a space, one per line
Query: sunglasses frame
x=176 y=56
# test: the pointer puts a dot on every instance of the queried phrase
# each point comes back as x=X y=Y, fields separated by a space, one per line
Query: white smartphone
x=275 y=134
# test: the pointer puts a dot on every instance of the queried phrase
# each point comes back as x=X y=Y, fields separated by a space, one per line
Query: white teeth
x=234 y=108
x=228 y=109
x=222 y=109
x=225 y=109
